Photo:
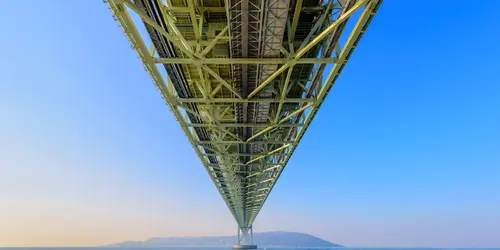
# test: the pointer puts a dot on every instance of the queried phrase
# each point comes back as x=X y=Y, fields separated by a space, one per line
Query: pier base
x=245 y=238
x=245 y=247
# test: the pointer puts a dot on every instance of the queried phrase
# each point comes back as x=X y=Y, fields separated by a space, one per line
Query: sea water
x=226 y=248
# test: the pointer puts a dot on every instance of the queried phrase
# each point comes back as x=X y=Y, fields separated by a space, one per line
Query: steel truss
x=244 y=78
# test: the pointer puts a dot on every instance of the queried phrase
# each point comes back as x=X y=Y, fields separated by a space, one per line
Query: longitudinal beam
x=246 y=125
x=253 y=100
x=244 y=142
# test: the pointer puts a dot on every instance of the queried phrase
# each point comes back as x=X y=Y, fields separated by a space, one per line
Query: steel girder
x=243 y=123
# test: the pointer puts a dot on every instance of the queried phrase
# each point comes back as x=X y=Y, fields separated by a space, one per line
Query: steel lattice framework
x=244 y=78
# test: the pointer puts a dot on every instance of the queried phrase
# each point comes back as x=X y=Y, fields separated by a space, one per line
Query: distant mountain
x=266 y=239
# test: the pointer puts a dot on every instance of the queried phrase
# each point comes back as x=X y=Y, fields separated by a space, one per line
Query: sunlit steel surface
x=244 y=78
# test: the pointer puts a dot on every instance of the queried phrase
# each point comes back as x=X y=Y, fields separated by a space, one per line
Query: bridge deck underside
x=244 y=78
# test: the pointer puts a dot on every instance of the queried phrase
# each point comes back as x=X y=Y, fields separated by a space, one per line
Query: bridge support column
x=245 y=238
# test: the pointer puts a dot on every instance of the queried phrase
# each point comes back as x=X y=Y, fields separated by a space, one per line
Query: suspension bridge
x=244 y=79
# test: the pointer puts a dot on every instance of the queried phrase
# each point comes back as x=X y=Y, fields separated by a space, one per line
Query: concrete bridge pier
x=245 y=238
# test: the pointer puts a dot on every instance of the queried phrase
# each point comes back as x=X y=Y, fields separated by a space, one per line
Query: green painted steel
x=245 y=78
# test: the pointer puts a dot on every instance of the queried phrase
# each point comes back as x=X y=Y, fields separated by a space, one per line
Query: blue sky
x=405 y=151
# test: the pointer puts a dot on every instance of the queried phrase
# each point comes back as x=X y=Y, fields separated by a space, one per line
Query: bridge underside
x=244 y=78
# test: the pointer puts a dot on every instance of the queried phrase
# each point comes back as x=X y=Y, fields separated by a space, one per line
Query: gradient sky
x=405 y=151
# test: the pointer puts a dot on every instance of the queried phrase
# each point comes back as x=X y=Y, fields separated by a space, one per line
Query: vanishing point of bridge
x=244 y=78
